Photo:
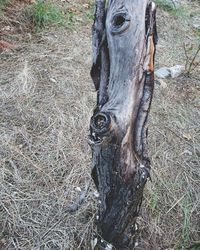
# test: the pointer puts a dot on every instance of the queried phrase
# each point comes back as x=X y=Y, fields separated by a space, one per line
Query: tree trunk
x=124 y=38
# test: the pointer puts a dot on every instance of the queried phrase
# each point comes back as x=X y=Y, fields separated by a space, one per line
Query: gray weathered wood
x=124 y=38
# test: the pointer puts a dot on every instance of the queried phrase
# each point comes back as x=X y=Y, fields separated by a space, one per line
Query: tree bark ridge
x=124 y=39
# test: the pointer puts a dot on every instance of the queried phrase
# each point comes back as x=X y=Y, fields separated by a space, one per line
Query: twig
x=180 y=137
x=192 y=62
x=186 y=55
x=175 y=204
x=190 y=69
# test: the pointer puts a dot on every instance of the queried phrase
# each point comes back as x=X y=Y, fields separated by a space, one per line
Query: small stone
x=136 y=244
x=163 y=72
x=176 y=70
x=78 y=189
x=52 y=80
x=96 y=194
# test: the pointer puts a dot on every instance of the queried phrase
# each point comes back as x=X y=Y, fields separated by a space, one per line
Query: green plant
x=154 y=201
x=171 y=8
x=3 y=4
x=44 y=14
x=164 y=5
x=198 y=32
x=186 y=210
x=69 y=18
x=90 y=11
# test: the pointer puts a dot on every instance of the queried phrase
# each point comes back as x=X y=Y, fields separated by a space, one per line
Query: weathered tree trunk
x=124 y=38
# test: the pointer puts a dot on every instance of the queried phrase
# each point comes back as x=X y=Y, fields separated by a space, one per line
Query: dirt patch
x=5 y=45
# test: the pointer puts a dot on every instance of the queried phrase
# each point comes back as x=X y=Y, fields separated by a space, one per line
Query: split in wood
x=124 y=39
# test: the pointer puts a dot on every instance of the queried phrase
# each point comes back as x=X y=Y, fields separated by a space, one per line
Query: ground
x=47 y=98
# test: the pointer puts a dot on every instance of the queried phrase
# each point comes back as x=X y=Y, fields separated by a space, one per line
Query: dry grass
x=44 y=155
x=46 y=100
x=171 y=214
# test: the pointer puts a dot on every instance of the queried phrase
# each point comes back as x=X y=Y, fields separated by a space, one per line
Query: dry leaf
x=187 y=136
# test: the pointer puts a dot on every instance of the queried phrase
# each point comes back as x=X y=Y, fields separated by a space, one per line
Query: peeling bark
x=124 y=39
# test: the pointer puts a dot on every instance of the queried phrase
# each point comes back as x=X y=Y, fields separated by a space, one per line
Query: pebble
x=173 y=72
x=163 y=72
x=176 y=70
x=96 y=194
x=78 y=189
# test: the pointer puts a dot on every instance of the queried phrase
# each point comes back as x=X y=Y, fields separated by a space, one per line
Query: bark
x=124 y=39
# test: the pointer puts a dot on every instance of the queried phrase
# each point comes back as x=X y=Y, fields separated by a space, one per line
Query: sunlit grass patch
x=3 y=4
x=174 y=10
x=44 y=14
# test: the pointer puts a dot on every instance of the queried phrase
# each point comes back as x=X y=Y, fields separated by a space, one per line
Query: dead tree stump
x=124 y=39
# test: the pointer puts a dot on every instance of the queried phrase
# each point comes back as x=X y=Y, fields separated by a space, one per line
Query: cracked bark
x=124 y=39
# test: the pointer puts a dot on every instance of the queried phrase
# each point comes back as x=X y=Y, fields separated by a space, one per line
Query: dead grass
x=172 y=203
x=46 y=100
x=44 y=120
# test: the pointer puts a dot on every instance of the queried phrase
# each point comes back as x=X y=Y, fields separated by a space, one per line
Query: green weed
x=3 y=4
x=154 y=201
x=89 y=12
x=169 y=7
x=164 y=5
x=197 y=32
x=186 y=210
x=44 y=14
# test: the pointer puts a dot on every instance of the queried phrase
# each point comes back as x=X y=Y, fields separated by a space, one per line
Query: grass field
x=46 y=100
